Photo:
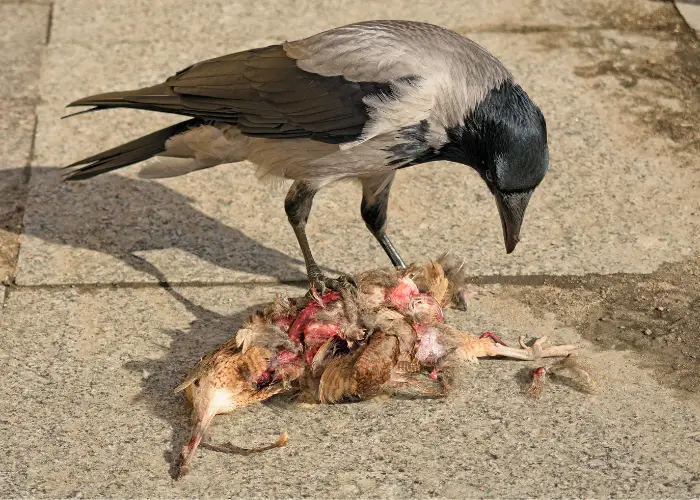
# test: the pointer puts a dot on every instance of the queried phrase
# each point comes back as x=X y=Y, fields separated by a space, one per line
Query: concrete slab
x=231 y=21
x=17 y=120
x=616 y=198
x=23 y=29
x=96 y=227
x=90 y=412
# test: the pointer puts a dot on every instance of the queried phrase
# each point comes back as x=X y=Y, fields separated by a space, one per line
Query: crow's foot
x=319 y=284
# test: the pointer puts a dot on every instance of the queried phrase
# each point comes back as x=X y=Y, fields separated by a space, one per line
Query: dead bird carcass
x=386 y=333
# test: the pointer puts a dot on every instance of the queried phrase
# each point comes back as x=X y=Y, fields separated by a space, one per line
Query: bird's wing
x=329 y=87
x=377 y=51
x=435 y=73
x=263 y=92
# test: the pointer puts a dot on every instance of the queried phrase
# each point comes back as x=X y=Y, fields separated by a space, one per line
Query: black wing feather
x=262 y=92
x=132 y=152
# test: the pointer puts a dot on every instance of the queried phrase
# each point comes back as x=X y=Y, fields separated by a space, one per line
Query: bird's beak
x=201 y=424
x=511 y=208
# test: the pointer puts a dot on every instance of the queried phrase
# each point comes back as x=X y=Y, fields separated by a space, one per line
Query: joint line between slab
x=162 y=284
x=532 y=280
x=49 y=25
x=32 y=149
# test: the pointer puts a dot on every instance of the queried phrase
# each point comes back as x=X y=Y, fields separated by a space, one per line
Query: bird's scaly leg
x=375 y=202
x=471 y=348
x=297 y=205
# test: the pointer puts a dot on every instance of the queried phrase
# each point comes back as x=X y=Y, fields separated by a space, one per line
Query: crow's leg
x=375 y=201
x=297 y=205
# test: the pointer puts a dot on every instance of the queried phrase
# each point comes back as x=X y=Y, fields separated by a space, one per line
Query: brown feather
x=336 y=381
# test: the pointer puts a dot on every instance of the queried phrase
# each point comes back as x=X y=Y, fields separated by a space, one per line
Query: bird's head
x=221 y=382
x=505 y=140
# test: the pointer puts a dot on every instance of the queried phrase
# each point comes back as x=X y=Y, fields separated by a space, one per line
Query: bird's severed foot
x=489 y=345
x=319 y=284
x=571 y=370
x=536 y=351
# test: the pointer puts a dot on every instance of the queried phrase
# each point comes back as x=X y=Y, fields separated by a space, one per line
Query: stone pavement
x=92 y=346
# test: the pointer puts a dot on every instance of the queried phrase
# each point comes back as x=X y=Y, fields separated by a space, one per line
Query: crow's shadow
x=121 y=216
x=118 y=216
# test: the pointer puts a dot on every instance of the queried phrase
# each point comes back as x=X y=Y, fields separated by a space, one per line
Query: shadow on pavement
x=118 y=216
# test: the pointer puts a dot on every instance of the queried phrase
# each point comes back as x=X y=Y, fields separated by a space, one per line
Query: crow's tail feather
x=157 y=98
x=132 y=152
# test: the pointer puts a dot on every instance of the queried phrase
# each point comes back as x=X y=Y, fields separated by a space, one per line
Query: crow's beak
x=511 y=208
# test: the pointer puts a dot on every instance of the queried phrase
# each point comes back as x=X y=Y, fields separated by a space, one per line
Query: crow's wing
x=327 y=87
x=263 y=92
x=449 y=74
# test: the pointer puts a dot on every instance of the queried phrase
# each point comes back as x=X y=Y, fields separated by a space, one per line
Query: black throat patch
x=415 y=150
x=506 y=127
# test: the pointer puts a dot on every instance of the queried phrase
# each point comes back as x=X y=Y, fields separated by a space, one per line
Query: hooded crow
x=360 y=101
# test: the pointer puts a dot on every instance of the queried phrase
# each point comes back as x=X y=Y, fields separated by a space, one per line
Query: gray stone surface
x=690 y=10
x=92 y=230
x=17 y=120
x=89 y=411
x=231 y=22
x=616 y=198
x=23 y=28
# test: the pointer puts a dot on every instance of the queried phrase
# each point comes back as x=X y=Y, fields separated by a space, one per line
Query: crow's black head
x=505 y=140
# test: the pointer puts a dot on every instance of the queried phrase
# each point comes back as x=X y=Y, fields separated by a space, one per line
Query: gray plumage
x=359 y=101
x=419 y=72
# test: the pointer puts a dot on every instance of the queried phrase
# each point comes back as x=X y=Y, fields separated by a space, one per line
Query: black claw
x=320 y=283
x=347 y=281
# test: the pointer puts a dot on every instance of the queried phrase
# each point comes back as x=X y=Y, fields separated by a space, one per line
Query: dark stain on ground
x=625 y=16
x=656 y=315
x=675 y=64
x=589 y=16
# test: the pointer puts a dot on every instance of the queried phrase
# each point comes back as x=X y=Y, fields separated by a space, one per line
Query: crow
x=356 y=102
